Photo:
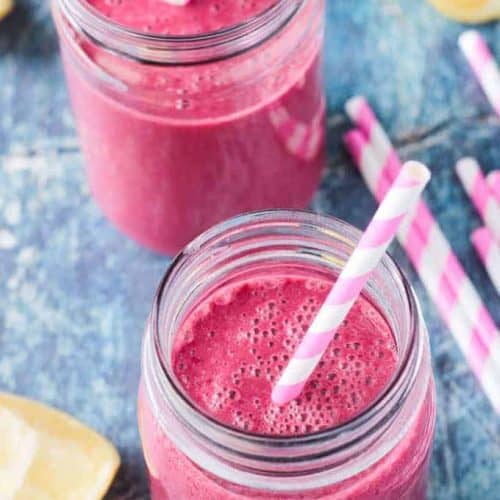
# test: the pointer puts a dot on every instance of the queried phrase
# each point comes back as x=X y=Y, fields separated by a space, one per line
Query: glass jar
x=381 y=453
x=182 y=132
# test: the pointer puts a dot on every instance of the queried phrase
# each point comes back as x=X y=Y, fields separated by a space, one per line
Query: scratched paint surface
x=75 y=293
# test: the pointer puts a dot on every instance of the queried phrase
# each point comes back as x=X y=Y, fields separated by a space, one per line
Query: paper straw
x=423 y=232
x=482 y=356
x=301 y=139
x=371 y=248
x=364 y=118
x=475 y=185
x=483 y=64
x=179 y=3
x=489 y=253
x=493 y=180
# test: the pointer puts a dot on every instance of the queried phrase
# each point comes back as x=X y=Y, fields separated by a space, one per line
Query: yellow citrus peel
x=48 y=455
x=5 y=7
x=469 y=11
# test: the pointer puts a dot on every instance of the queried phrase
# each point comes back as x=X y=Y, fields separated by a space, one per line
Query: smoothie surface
x=232 y=348
x=199 y=16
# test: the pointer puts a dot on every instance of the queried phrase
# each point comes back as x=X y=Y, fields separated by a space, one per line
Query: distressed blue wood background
x=74 y=293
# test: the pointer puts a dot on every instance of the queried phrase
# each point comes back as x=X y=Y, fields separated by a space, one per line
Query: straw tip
x=468 y=38
x=466 y=162
x=177 y=3
x=466 y=167
x=417 y=171
x=354 y=104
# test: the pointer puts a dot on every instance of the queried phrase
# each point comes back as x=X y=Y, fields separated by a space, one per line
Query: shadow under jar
x=180 y=130
x=364 y=424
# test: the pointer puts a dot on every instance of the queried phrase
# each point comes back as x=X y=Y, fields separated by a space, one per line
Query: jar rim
x=152 y=48
x=371 y=419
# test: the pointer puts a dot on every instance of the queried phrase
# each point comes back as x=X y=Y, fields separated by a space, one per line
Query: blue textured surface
x=75 y=294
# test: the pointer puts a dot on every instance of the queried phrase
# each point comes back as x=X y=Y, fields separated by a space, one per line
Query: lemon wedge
x=49 y=455
x=5 y=7
x=18 y=447
x=469 y=11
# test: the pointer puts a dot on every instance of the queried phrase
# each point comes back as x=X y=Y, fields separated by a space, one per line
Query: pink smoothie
x=172 y=149
x=229 y=353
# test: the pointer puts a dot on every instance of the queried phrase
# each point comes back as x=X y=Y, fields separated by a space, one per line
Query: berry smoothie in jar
x=191 y=114
x=226 y=320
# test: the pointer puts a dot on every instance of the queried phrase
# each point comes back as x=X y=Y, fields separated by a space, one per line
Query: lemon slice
x=50 y=455
x=5 y=7
x=18 y=445
x=469 y=11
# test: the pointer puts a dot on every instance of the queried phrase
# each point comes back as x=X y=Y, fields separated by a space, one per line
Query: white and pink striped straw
x=482 y=353
x=400 y=199
x=179 y=3
x=493 y=180
x=301 y=139
x=422 y=234
x=480 y=193
x=489 y=253
x=483 y=64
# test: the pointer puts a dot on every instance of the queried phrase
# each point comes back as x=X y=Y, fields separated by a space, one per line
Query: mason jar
x=383 y=452
x=181 y=132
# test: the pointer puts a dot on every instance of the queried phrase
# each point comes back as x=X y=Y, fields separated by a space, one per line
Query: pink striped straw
x=489 y=253
x=301 y=139
x=433 y=251
x=483 y=64
x=371 y=248
x=476 y=186
x=483 y=356
x=179 y=3
x=493 y=180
